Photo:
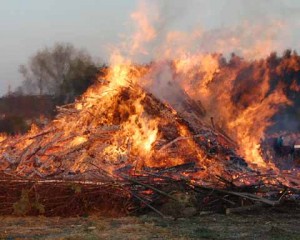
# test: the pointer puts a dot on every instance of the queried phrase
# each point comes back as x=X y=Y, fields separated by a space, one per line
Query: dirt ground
x=266 y=225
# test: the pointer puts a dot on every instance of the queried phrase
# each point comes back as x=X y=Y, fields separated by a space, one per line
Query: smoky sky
x=97 y=25
x=251 y=29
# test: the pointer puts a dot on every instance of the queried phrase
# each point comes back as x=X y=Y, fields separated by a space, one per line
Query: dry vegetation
x=265 y=225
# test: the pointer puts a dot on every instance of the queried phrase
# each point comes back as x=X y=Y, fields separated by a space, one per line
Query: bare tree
x=53 y=70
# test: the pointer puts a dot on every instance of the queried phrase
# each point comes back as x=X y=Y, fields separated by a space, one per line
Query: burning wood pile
x=121 y=150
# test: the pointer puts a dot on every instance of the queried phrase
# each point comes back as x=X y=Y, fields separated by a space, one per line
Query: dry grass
x=266 y=225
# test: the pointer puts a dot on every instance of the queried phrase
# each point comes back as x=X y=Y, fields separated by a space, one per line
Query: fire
x=191 y=67
x=143 y=131
x=250 y=126
x=2 y=137
x=245 y=120
x=138 y=114
x=78 y=140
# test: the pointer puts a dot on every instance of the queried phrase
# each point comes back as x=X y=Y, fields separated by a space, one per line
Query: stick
x=212 y=123
x=40 y=134
x=243 y=208
x=150 y=187
x=148 y=205
x=250 y=196
x=178 y=139
x=181 y=167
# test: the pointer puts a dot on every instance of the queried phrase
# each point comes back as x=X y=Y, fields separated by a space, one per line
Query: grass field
x=266 y=225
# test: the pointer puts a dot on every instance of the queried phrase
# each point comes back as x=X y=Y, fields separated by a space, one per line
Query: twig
x=179 y=139
x=148 y=205
x=40 y=134
x=150 y=187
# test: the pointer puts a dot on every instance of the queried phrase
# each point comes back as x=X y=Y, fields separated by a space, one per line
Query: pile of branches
x=61 y=197
x=64 y=171
x=167 y=192
x=75 y=142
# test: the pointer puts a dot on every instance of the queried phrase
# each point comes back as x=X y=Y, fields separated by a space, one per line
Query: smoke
x=251 y=29
x=160 y=81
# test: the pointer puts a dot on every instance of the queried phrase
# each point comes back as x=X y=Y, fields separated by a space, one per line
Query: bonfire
x=146 y=135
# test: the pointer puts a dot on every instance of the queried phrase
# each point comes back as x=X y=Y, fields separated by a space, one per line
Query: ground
x=266 y=225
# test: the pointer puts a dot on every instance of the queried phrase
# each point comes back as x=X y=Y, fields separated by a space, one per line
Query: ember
x=193 y=123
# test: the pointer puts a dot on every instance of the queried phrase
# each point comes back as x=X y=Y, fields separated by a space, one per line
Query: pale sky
x=29 y=25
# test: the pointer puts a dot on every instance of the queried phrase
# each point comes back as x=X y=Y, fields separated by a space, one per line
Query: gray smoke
x=273 y=24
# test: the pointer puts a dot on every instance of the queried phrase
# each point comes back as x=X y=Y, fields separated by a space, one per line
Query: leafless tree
x=47 y=72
